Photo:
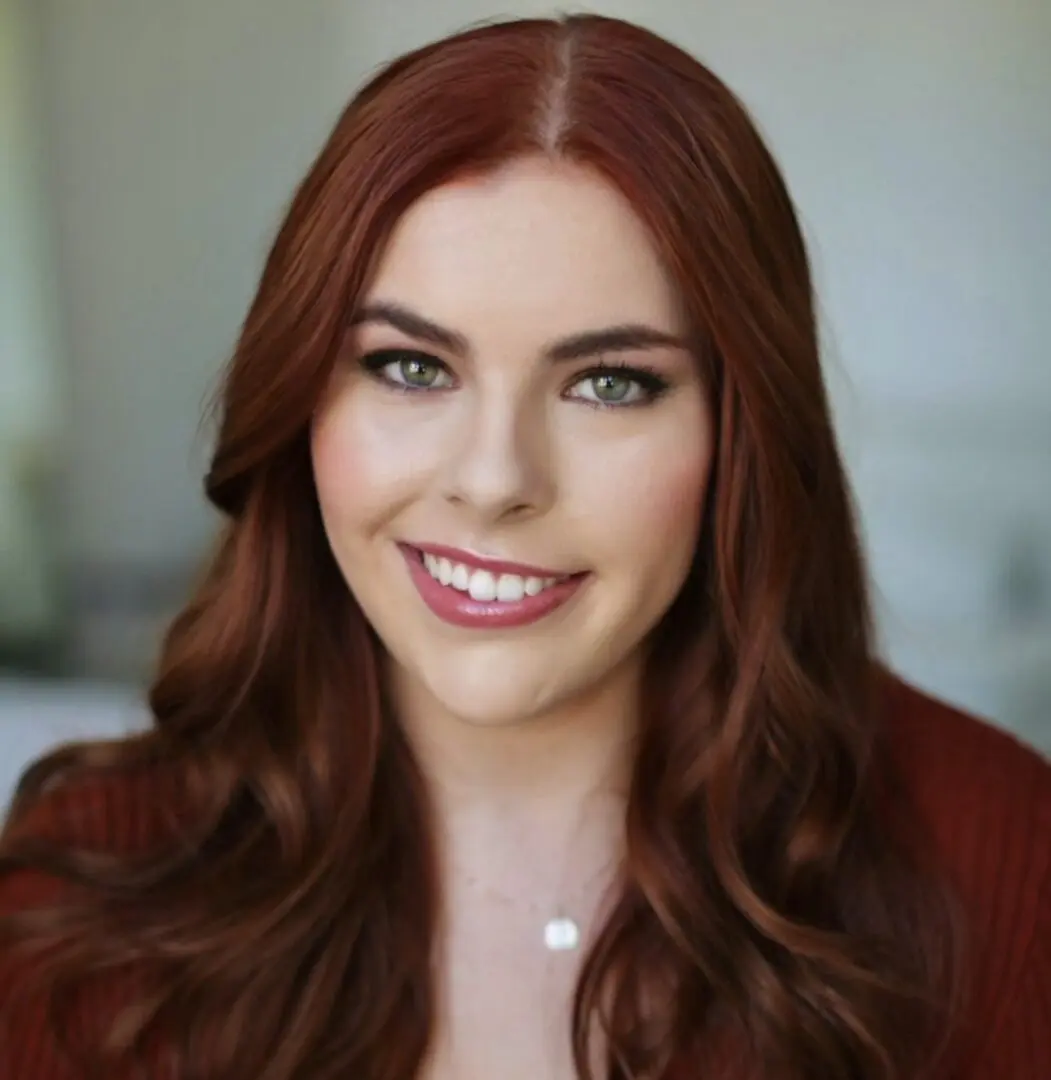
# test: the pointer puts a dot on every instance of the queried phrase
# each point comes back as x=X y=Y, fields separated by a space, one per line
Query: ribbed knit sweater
x=981 y=796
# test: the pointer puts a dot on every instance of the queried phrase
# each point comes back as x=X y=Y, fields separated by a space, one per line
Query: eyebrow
x=624 y=337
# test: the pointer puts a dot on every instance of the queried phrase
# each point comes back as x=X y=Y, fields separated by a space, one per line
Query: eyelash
x=652 y=384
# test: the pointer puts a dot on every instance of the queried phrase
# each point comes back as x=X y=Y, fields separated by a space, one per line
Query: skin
x=525 y=734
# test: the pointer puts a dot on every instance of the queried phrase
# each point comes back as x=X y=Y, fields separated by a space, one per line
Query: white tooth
x=510 y=588
x=445 y=571
x=482 y=586
x=460 y=577
x=431 y=563
x=533 y=585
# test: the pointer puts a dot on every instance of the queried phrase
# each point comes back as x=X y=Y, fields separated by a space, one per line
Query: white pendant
x=561 y=934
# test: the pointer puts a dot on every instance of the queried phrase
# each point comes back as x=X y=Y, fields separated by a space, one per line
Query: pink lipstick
x=478 y=592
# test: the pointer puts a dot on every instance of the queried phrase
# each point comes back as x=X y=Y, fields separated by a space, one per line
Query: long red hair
x=284 y=927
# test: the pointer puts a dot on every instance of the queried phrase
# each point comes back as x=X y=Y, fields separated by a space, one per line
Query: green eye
x=418 y=371
x=406 y=369
x=612 y=388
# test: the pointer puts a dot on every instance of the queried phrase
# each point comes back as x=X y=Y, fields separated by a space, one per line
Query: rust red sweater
x=983 y=798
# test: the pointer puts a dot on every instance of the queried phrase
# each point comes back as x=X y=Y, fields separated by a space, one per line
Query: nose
x=501 y=464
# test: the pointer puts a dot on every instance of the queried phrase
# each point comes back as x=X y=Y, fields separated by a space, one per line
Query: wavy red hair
x=284 y=926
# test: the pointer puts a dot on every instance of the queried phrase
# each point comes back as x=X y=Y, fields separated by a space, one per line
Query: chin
x=491 y=697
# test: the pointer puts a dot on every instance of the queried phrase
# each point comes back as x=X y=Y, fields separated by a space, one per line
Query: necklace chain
x=561 y=930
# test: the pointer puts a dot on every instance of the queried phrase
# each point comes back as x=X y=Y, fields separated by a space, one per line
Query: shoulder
x=113 y=812
x=120 y=810
x=45 y=837
x=982 y=801
x=966 y=776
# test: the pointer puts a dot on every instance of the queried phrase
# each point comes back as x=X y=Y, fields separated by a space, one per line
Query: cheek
x=340 y=468
x=648 y=503
x=366 y=463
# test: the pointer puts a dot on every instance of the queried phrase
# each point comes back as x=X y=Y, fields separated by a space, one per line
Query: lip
x=458 y=609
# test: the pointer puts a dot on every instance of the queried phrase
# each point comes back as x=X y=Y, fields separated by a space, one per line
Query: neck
x=547 y=764
x=529 y=816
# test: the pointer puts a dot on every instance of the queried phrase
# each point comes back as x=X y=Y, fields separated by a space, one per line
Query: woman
x=526 y=722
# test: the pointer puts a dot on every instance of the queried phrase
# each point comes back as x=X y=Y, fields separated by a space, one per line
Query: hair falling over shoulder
x=278 y=918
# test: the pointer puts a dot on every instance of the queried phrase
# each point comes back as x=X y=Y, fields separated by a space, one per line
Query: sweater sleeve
x=1020 y=1046
x=27 y=1047
x=94 y=815
x=982 y=799
x=1014 y=1036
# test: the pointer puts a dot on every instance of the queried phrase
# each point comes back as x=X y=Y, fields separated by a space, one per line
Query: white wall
x=916 y=138
x=179 y=130
x=30 y=396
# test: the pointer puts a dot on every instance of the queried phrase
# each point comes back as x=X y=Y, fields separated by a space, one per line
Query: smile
x=469 y=591
x=484 y=584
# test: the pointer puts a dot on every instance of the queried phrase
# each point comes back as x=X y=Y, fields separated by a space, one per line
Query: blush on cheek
x=339 y=479
x=671 y=493
x=663 y=521
x=348 y=451
x=369 y=459
x=330 y=457
x=679 y=496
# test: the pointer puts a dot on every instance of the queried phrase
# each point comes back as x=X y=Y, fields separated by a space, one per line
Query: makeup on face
x=476 y=592
x=617 y=376
x=512 y=460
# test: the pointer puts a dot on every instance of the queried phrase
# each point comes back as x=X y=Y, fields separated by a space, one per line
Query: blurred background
x=148 y=149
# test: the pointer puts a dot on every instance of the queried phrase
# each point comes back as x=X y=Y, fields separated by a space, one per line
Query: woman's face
x=511 y=458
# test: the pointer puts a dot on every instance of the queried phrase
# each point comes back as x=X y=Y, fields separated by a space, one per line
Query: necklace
x=561 y=934
x=561 y=931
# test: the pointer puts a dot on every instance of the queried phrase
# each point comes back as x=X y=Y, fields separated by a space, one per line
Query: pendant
x=561 y=934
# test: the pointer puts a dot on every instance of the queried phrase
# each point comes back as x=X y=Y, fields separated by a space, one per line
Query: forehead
x=536 y=246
